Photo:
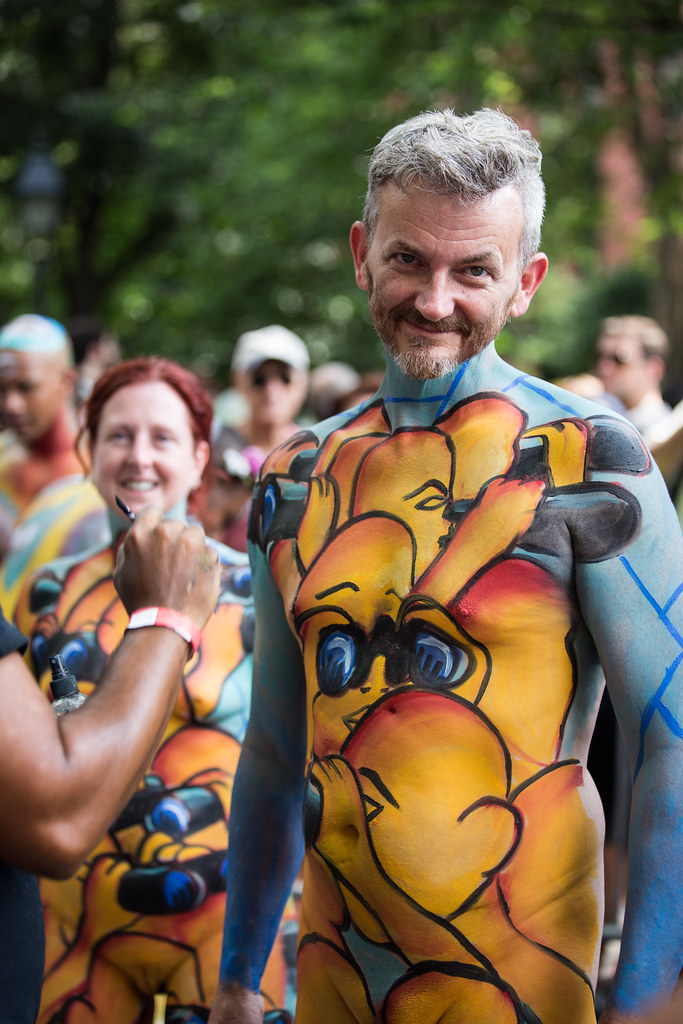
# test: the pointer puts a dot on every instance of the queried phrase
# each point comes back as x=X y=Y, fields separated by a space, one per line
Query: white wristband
x=171 y=619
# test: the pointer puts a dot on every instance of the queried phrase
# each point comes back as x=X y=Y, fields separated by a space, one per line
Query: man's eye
x=477 y=271
x=406 y=258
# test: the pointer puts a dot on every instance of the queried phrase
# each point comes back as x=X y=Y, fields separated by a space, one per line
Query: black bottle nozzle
x=62 y=683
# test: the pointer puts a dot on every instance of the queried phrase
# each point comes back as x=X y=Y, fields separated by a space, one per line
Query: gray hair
x=468 y=157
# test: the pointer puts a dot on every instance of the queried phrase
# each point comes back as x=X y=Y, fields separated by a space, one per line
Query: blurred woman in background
x=145 y=913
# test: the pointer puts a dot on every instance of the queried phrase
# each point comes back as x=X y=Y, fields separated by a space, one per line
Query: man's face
x=34 y=388
x=625 y=370
x=442 y=278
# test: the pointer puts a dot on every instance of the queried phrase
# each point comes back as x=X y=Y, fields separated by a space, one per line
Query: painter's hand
x=166 y=563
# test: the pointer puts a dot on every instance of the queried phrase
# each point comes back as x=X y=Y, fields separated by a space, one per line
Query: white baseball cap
x=274 y=342
x=31 y=332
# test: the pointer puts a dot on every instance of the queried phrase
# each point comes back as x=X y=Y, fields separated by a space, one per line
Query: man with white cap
x=36 y=410
x=270 y=368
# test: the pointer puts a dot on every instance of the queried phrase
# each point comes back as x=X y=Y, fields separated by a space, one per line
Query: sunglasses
x=261 y=377
x=620 y=358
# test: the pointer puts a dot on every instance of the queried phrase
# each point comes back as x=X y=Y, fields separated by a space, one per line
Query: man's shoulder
x=611 y=442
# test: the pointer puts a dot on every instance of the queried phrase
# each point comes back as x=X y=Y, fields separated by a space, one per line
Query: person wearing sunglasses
x=270 y=368
x=631 y=363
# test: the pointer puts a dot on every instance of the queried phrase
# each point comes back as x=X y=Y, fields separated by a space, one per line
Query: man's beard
x=424 y=359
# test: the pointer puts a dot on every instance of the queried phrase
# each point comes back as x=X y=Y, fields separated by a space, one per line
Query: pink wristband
x=171 y=619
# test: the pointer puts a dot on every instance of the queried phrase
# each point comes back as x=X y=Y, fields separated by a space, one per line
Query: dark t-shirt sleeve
x=22 y=940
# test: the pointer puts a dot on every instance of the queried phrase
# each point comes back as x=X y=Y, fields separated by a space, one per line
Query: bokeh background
x=212 y=156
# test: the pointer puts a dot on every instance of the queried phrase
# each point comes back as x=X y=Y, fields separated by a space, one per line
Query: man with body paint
x=442 y=576
x=36 y=412
x=47 y=507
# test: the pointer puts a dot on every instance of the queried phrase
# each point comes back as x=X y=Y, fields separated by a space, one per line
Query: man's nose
x=436 y=297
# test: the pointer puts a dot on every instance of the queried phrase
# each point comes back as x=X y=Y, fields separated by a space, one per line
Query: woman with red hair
x=144 y=916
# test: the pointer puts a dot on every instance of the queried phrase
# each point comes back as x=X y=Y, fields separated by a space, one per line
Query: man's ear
x=359 y=248
x=535 y=271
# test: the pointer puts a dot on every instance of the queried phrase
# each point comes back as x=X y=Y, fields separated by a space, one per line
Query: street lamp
x=39 y=187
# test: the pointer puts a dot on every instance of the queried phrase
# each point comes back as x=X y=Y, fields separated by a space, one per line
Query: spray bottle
x=65 y=693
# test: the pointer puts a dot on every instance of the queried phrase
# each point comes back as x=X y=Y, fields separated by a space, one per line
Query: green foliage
x=215 y=152
x=557 y=337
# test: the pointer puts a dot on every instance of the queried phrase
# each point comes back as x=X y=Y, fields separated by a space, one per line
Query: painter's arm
x=64 y=781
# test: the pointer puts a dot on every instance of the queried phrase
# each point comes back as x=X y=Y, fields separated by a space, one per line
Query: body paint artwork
x=429 y=572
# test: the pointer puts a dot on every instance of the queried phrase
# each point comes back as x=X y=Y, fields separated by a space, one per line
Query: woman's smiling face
x=145 y=450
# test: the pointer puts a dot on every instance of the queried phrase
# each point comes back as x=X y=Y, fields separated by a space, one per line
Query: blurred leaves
x=215 y=152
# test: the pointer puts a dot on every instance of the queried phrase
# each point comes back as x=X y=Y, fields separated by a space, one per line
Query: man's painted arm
x=634 y=607
x=265 y=847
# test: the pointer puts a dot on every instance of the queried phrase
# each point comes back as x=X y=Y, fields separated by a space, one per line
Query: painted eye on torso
x=337 y=659
x=270 y=501
x=437 y=661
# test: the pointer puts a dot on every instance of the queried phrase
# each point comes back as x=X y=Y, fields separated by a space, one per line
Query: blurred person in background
x=665 y=441
x=589 y=386
x=329 y=384
x=631 y=363
x=144 y=914
x=366 y=389
x=224 y=508
x=37 y=413
x=51 y=507
x=270 y=368
x=96 y=348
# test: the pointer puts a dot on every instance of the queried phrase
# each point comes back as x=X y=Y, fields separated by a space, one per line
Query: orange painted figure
x=444 y=578
x=144 y=914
